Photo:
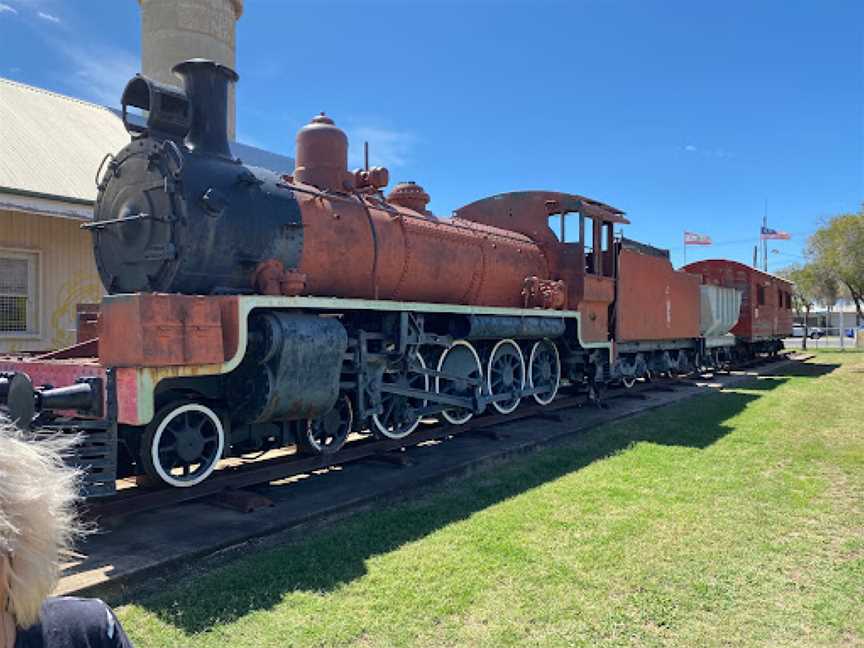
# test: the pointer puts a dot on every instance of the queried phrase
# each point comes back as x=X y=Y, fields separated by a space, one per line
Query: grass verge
x=735 y=518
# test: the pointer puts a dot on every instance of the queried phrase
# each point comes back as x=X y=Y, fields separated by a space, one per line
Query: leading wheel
x=464 y=374
x=183 y=444
x=544 y=371
x=328 y=433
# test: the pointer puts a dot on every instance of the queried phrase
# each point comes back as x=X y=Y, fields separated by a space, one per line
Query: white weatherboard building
x=50 y=148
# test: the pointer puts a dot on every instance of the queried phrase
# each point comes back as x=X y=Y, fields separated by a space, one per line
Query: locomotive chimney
x=173 y=31
x=206 y=85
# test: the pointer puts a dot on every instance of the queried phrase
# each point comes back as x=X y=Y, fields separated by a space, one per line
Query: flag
x=768 y=233
x=691 y=238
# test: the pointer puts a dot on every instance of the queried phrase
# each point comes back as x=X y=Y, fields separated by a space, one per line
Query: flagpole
x=765 y=241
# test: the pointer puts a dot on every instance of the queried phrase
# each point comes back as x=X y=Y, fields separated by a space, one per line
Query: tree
x=804 y=296
x=824 y=285
x=838 y=249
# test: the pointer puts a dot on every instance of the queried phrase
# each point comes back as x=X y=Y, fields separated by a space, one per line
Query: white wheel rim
x=628 y=382
x=503 y=409
x=165 y=475
x=342 y=399
x=392 y=434
x=448 y=414
x=544 y=400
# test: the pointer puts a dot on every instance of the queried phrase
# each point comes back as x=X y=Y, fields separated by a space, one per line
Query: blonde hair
x=38 y=518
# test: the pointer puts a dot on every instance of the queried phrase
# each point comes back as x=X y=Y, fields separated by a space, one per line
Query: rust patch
x=151 y=330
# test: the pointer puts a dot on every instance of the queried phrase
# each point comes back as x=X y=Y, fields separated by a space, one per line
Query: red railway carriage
x=766 y=304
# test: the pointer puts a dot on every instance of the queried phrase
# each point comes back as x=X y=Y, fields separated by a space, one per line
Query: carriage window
x=760 y=295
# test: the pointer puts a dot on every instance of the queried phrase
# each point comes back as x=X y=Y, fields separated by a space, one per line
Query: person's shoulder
x=72 y=607
x=70 y=622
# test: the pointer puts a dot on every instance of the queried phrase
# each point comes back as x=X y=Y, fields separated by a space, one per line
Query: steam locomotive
x=248 y=310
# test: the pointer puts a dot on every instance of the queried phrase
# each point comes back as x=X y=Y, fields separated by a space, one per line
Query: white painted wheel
x=628 y=381
x=394 y=422
x=504 y=373
x=186 y=445
x=544 y=370
x=460 y=359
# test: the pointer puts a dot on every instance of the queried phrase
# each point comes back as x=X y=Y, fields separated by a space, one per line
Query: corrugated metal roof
x=51 y=144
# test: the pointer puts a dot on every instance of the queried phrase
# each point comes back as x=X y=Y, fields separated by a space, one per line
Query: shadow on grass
x=800 y=370
x=328 y=559
x=773 y=378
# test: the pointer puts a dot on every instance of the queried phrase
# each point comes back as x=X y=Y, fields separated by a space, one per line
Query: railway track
x=232 y=479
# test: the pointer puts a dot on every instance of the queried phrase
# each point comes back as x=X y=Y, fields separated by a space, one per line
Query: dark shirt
x=67 y=622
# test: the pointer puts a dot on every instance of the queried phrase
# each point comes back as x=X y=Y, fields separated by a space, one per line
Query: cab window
x=555 y=222
x=607 y=239
x=571 y=228
x=586 y=235
x=565 y=228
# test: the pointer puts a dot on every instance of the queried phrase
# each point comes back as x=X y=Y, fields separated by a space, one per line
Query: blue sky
x=687 y=115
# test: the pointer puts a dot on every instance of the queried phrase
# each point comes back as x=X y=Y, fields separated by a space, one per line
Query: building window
x=19 y=294
x=760 y=295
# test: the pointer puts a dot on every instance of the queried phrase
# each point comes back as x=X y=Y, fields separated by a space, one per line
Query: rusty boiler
x=176 y=213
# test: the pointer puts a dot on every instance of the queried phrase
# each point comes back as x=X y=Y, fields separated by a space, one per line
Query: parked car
x=813 y=332
x=850 y=332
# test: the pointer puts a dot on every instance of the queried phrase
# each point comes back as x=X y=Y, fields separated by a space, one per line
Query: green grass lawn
x=735 y=518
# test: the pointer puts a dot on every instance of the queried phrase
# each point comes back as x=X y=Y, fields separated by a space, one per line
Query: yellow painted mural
x=81 y=288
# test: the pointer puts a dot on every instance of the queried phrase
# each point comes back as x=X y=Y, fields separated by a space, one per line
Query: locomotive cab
x=576 y=236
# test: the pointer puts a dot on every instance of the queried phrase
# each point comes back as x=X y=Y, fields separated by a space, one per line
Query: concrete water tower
x=177 y=30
